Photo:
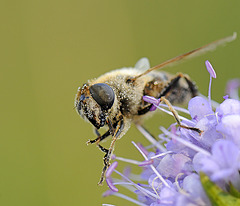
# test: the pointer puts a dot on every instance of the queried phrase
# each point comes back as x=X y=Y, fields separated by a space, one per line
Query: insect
x=114 y=100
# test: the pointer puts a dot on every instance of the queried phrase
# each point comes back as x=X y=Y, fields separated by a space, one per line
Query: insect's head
x=93 y=102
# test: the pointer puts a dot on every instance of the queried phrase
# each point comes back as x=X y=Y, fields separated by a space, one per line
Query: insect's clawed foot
x=91 y=141
x=106 y=160
x=100 y=183
x=192 y=128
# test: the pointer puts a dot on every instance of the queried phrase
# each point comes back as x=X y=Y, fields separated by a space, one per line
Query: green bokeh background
x=50 y=48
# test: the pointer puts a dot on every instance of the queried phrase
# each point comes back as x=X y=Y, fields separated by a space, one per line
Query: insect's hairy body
x=128 y=96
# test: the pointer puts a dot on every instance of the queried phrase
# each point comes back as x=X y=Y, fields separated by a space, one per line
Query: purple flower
x=223 y=165
x=171 y=174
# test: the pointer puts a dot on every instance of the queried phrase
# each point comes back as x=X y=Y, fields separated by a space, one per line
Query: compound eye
x=103 y=95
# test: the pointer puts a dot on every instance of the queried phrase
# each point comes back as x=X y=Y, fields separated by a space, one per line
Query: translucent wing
x=142 y=64
x=193 y=53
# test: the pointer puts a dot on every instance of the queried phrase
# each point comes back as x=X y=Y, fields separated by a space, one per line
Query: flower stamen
x=160 y=155
x=135 y=162
x=150 y=138
x=212 y=75
x=177 y=184
x=152 y=167
x=155 y=190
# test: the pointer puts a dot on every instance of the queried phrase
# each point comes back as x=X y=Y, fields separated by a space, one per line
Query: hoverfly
x=115 y=99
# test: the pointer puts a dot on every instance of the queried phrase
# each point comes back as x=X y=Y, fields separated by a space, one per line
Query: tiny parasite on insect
x=115 y=99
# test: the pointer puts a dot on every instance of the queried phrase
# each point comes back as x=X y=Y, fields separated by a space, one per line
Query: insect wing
x=193 y=53
x=142 y=64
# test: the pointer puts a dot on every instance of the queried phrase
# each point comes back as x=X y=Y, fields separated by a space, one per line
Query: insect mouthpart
x=79 y=104
x=94 y=102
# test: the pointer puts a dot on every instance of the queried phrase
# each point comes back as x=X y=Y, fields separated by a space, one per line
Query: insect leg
x=167 y=92
x=111 y=128
x=177 y=96
x=144 y=110
x=174 y=92
x=99 y=138
x=191 y=85
x=103 y=149
x=107 y=157
x=175 y=114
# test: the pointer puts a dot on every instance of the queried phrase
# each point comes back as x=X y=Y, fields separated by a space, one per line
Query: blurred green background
x=50 y=48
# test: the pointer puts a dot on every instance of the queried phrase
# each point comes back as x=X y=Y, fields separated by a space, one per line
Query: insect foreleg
x=99 y=138
x=107 y=157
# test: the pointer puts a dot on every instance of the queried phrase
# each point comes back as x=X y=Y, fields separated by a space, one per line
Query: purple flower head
x=171 y=173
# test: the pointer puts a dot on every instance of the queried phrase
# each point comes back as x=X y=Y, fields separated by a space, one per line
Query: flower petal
x=199 y=107
x=230 y=128
x=172 y=165
x=229 y=106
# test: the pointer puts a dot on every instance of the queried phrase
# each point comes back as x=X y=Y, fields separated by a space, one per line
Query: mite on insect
x=115 y=98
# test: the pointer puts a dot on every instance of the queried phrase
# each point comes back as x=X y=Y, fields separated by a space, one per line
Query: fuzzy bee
x=115 y=99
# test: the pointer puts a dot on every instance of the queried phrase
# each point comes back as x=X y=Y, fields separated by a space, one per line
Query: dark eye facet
x=103 y=94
